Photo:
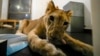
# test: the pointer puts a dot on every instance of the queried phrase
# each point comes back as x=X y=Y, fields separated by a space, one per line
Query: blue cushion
x=14 y=42
x=12 y=48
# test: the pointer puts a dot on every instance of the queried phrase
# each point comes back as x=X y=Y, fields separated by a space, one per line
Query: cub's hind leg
x=22 y=25
x=78 y=46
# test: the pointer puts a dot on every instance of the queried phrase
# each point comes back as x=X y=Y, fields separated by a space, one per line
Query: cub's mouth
x=56 y=41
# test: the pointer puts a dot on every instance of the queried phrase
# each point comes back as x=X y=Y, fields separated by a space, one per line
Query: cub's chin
x=58 y=42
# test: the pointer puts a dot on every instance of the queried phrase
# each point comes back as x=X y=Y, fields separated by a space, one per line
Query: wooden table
x=9 y=21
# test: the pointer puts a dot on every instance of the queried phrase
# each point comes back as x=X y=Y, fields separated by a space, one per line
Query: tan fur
x=50 y=30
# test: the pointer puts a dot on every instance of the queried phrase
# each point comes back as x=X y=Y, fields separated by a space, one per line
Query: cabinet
x=77 y=20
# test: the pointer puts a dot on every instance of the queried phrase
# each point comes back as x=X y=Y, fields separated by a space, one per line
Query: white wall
x=4 y=11
x=39 y=6
x=96 y=26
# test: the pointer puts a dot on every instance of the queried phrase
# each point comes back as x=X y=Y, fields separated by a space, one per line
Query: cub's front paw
x=51 y=50
x=60 y=53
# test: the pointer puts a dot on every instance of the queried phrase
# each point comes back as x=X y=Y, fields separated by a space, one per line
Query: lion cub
x=45 y=33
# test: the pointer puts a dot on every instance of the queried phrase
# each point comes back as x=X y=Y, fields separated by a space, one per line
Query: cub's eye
x=65 y=23
x=52 y=18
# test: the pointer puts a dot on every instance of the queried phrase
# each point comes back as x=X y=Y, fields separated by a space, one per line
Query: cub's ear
x=50 y=6
x=69 y=13
x=57 y=7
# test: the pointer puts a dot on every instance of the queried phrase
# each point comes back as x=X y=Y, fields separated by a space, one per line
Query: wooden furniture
x=4 y=23
x=3 y=47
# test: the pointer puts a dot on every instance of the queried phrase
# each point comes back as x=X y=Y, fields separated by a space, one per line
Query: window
x=19 y=9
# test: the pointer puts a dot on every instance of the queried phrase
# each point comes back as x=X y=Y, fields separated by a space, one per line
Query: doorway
x=0 y=7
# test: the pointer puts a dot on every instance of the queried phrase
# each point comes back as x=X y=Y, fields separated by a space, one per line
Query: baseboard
x=87 y=30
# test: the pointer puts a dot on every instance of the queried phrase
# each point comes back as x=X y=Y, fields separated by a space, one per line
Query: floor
x=85 y=37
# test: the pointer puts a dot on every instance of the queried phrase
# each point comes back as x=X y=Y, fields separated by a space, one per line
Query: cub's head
x=56 y=23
